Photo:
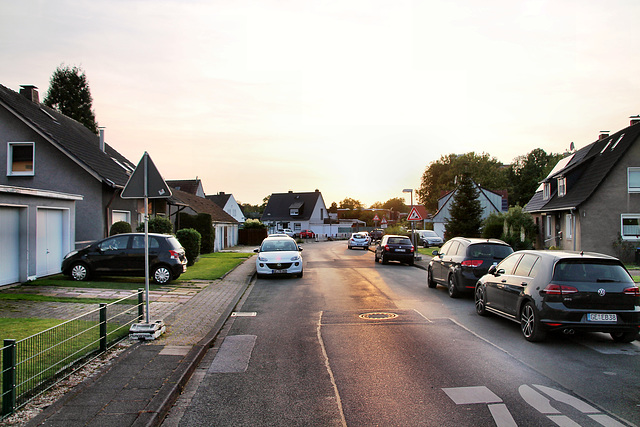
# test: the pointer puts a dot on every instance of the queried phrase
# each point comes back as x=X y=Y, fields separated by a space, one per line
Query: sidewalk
x=144 y=382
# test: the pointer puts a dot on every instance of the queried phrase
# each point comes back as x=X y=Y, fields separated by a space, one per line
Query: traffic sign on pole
x=414 y=215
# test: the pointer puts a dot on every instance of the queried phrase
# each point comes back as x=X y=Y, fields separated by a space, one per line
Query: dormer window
x=562 y=186
x=296 y=209
x=294 y=212
x=20 y=158
x=546 y=190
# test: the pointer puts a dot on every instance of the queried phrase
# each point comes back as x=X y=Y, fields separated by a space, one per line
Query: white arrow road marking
x=568 y=399
x=537 y=400
x=501 y=415
x=466 y=395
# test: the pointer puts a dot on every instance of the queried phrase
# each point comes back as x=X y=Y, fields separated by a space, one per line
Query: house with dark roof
x=60 y=188
x=591 y=200
x=191 y=186
x=296 y=211
x=491 y=202
x=225 y=226
x=229 y=204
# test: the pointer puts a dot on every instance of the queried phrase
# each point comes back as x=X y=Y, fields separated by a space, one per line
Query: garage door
x=9 y=245
x=50 y=241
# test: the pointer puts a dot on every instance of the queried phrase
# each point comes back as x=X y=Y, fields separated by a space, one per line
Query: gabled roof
x=449 y=195
x=187 y=185
x=279 y=205
x=202 y=205
x=71 y=137
x=219 y=199
x=588 y=167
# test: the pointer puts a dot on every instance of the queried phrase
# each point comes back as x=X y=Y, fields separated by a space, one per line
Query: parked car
x=288 y=232
x=429 y=238
x=279 y=254
x=568 y=291
x=358 y=240
x=307 y=234
x=462 y=261
x=395 y=248
x=123 y=255
x=376 y=234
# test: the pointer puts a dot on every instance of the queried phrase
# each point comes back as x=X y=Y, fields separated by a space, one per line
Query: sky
x=352 y=97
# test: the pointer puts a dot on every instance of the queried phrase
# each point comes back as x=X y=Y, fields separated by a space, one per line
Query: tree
x=69 y=94
x=351 y=204
x=333 y=208
x=465 y=212
x=440 y=176
x=397 y=204
x=526 y=172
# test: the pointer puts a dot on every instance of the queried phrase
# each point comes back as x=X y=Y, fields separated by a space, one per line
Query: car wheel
x=411 y=262
x=453 y=290
x=349 y=247
x=375 y=257
x=430 y=282
x=530 y=324
x=385 y=260
x=625 y=336
x=301 y=273
x=79 y=272
x=481 y=301
x=161 y=275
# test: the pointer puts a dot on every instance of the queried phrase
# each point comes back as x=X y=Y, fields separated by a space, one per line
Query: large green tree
x=69 y=93
x=465 y=212
x=351 y=204
x=440 y=176
x=526 y=172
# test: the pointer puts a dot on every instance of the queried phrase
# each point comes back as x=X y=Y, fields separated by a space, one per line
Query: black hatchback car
x=462 y=261
x=568 y=291
x=395 y=248
x=123 y=255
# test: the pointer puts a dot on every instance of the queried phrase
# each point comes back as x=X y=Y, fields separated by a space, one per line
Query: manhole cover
x=378 y=316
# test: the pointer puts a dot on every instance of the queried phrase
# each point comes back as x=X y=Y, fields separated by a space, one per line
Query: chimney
x=634 y=120
x=603 y=134
x=101 y=132
x=221 y=193
x=30 y=92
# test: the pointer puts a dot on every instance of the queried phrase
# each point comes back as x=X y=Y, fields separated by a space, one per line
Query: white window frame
x=294 y=212
x=10 y=171
x=117 y=213
x=622 y=226
x=569 y=226
x=562 y=186
x=633 y=188
x=546 y=190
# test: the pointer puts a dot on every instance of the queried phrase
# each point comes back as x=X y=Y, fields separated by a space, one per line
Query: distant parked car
x=395 y=248
x=429 y=238
x=123 y=255
x=279 y=254
x=288 y=232
x=556 y=290
x=462 y=261
x=307 y=234
x=358 y=240
x=376 y=234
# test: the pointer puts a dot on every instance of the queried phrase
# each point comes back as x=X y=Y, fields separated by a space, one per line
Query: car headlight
x=295 y=258
x=72 y=253
x=263 y=258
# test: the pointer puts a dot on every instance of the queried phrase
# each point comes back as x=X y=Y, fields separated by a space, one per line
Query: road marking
x=501 y=415
x=469 y=395
x=244 y=314
x=234 y=355
x=330 y=371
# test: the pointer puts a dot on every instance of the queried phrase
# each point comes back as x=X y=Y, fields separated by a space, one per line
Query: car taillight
x=472 y=263
x=412 y=248
x=386 y=248
x=552 y=289
x=633 y=290
x=174 y=254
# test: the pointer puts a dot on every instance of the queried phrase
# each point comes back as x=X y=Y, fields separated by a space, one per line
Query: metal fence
x=32 y=365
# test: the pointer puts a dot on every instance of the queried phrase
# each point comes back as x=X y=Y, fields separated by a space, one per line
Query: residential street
x=357 y=343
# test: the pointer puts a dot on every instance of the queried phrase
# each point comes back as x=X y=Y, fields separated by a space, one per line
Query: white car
x=288 y=232
x=279 y=254
x=359 y=240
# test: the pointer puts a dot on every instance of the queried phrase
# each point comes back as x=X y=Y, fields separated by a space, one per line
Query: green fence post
x=103 y=327
x=8 y=377
x=140 y=304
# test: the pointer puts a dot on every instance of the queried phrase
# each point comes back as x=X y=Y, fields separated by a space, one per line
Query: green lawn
x=20 y=328
x=214 y=266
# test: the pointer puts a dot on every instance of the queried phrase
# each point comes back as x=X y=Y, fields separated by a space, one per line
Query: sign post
x=146 y=183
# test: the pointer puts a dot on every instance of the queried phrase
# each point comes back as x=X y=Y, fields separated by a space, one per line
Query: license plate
x=279 y=271
x=401 y=250
x=602 y=317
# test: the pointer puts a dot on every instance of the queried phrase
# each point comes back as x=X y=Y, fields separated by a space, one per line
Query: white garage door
x=9 y=245
x=50 y=241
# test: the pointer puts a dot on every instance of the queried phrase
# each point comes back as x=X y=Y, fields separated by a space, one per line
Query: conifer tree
x=465 y=212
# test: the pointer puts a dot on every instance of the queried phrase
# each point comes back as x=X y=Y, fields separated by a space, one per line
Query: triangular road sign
x=375 y=218
x=146 y=182
x=414 y=215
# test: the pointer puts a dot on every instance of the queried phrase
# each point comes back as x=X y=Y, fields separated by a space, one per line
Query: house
x=60 y=189
x=297 y=211
x=491 y=201
x=228 y=203
x=225 y=226
x=191 y=186
x=591 y=199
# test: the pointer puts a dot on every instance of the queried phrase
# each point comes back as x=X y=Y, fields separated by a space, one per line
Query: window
x=297 y=226
x=569 y=226
x=525 y=266
x=115 y=244
x=508 y=263
x=546 y=190
x=20 y=157
x=548 y=226
x=120 y=216
x=562 y=186
x=630 y=226
x=633 y=180
x=293 y=212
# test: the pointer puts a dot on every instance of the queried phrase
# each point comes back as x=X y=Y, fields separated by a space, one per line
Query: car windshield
x=483 y=250
x=399 y=241
x=279 y=245
x=590 y=271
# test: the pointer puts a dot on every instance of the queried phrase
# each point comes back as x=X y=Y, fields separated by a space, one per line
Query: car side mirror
x=492 y=270
x=300 y=248
x=435 y=253
x=256 y=250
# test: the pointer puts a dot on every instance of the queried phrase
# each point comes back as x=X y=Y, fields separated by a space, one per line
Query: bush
x=190 y=241
x=254 y=224
x=120 y=227
x=204 y=225
x=158 y=224
x=493 y=225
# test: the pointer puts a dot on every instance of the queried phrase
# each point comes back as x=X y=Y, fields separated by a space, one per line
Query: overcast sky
x=352 y=97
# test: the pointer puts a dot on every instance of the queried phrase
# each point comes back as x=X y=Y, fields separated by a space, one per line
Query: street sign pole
x=146 y=237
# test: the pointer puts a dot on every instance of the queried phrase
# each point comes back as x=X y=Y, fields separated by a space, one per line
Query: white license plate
x=279 y=271
x=401 y=250
x=602 y=317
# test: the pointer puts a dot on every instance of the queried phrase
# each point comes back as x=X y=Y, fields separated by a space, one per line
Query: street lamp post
x=413 y=234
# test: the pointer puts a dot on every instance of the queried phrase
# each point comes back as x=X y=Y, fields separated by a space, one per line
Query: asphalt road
x=359 y=344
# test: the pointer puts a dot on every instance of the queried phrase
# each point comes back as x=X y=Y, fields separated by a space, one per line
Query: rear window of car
x=487 y=250
x=359 y=236
x=590 y=271
x=399 y=241
x=173 y=243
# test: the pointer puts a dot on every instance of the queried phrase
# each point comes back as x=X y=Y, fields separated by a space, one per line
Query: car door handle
x=523 y=284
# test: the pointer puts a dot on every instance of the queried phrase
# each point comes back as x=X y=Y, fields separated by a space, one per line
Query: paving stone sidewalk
x=141 y=386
